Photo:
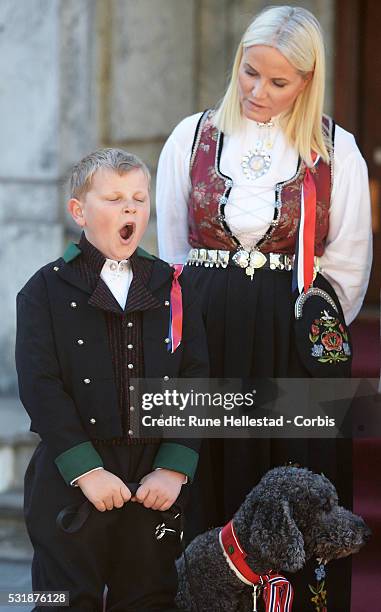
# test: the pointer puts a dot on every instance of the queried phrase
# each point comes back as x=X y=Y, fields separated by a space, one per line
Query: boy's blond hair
x=111 y=159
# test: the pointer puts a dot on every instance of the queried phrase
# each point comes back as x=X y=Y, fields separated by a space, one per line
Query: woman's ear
x=306 y=79
x=75 y=208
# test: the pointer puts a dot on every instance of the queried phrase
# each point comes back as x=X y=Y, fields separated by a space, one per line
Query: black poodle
x=291 y=516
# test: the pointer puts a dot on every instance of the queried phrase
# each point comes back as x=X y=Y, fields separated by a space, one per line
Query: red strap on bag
x=309 y=196
x=303 y=272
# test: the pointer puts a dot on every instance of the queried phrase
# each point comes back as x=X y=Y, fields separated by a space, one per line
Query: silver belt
x=247 y=260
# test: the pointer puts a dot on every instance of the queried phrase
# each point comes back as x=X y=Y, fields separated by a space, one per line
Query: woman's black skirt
x=250 y=331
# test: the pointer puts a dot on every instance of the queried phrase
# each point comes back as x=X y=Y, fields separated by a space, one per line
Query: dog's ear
x=275 y=540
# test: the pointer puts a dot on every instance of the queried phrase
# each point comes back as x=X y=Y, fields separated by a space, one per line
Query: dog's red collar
x=277 y=591
x=235 y=553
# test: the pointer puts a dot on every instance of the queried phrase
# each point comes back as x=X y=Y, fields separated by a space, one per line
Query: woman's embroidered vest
x=211 y=189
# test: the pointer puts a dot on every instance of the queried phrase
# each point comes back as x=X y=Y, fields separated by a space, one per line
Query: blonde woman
x=235 y=190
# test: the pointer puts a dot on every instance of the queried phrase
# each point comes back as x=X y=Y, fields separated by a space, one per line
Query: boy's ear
x=75 y=209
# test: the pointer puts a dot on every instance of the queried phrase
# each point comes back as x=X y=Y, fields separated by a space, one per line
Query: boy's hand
x=105 y=490
x=159 y=489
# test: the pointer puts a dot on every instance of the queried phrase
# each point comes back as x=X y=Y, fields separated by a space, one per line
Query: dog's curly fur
x=291 y=516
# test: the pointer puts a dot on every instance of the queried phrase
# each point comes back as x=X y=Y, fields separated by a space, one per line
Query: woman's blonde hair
x=296 y=33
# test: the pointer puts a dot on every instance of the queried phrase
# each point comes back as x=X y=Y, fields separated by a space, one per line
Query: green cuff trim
x=72 y=251
x=78 y=460
x=176 y=457
x=142 y=253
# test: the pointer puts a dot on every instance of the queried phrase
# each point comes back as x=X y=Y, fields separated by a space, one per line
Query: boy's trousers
x=116 y=548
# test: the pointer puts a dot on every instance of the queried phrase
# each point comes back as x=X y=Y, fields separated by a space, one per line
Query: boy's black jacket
x=52 y=314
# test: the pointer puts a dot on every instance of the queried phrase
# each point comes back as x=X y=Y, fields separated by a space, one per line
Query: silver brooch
x=257 y=161
x=255 y=164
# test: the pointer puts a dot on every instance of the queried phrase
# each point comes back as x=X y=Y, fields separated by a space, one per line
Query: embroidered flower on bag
x=320 y=596
x=317 y=350
x=329 y=339
x=332 y=341
x=320 y=572
x=314 y=330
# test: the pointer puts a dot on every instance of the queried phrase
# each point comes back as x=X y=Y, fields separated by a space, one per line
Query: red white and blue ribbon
x=278 y=594
x=277 y=591
x=176 y=310
x=305 y=244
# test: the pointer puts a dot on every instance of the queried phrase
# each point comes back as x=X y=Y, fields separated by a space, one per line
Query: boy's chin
x=128 y=247
x=125 y=253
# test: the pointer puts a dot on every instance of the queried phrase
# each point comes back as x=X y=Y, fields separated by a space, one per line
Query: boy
x=87 y=323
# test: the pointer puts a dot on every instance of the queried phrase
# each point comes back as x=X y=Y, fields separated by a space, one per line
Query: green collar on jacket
x=72 y=251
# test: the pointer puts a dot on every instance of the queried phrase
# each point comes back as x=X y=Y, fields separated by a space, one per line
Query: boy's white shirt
x=118 y=277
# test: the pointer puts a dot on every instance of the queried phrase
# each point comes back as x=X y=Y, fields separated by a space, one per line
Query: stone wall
x=46 y=110
x=81 y=73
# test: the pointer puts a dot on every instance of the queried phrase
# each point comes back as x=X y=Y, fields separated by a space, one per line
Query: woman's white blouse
x=347 y=258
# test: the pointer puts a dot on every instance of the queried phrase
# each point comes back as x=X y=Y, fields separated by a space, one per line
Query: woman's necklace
x=258 y=161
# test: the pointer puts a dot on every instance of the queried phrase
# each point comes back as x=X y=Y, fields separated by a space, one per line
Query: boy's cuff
x=77 y=461
x=176 y=457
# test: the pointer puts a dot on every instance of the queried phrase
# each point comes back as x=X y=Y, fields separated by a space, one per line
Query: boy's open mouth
x=126 y=231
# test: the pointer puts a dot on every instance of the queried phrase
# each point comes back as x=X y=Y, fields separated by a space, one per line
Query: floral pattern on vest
x=211 y=189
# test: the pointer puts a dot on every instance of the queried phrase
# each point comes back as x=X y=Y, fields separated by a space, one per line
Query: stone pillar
x=213 y=52
x=152 y=68
x=149 y=77
x=46 y=116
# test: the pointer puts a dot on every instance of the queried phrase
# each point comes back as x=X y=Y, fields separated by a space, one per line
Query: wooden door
x=358 y=101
